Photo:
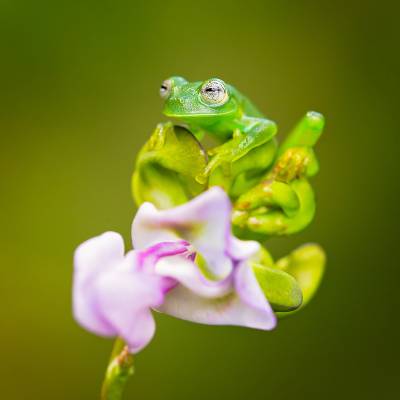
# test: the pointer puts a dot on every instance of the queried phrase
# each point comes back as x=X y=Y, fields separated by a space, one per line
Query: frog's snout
x=177 y=106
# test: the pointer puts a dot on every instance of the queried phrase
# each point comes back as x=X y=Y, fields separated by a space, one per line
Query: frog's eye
x=165 y=88
x=214 y=92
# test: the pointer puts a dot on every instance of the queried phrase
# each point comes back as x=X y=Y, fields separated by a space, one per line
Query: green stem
x=119 y=369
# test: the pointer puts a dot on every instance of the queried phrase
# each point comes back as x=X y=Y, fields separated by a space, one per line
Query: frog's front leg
x=249 y=134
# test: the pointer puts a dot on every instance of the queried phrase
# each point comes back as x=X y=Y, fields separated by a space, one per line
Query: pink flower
x=186 y=263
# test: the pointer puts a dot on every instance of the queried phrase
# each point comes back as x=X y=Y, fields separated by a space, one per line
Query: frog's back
x=248 y=108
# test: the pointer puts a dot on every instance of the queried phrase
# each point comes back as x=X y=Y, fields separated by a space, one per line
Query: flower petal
x=204 y=222
x=188 y=274
x=251 y=294
x=147 y=258
x=124 y=297
x=246 y=306
x=241 y=250
x=113 y=294
x=92 y=258
x=98 y=254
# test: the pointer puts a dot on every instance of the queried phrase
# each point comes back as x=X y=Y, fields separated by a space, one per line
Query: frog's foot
x=257 y=131
x=211 y=167
x=293 y=164
x=222 y=156
x=158 y=138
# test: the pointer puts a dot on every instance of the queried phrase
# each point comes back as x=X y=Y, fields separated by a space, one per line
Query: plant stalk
x=120 y=368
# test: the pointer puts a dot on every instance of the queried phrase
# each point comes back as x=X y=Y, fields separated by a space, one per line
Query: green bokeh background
x=79 y=96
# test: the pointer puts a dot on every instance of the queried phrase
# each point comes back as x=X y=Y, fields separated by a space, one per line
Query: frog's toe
x=212 y=165
x=201 y=178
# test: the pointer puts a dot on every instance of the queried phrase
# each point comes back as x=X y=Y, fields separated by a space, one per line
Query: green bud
x=274 y=208
x=282 y=202
x=307 y=265
x=306 y=133
x=270 y=194
x=281 y=289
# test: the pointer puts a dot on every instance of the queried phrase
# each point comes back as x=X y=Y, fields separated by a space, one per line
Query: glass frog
x=267 y=183
x=220 y=110
x=248 y=144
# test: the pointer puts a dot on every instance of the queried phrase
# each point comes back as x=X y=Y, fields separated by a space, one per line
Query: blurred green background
x=79 y=96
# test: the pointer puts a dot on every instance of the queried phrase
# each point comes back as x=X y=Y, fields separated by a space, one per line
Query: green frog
x=219 y=109
x=268 y=183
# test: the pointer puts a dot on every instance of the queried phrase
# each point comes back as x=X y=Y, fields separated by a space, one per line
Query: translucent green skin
x=237 y=123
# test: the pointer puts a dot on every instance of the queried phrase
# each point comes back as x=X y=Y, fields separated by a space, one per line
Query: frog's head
x=195 y=101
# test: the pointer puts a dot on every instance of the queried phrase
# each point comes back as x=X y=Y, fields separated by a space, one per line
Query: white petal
x=97 y=254
x=241 y=250
x=147 y=231
x=124 y=297
x=251 y=294
x=245 y=307
x=204 y=222
x=187 y=273
x=92 y=258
